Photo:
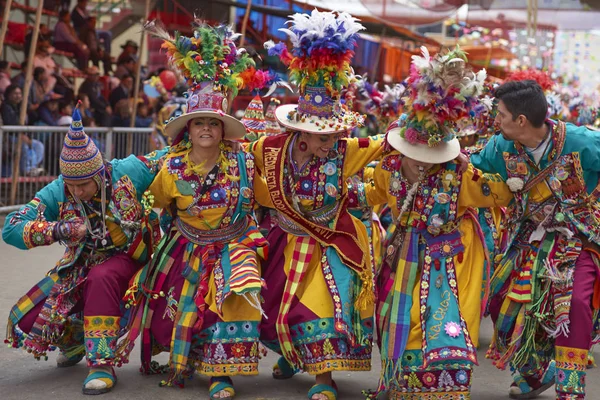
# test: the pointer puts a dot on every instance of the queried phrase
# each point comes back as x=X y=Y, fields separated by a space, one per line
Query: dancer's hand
x=463 y=162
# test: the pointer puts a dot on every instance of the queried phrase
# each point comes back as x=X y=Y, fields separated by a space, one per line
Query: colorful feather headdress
x=319 y=64
x=210 y=55
x=212 y=67
x=442 y=90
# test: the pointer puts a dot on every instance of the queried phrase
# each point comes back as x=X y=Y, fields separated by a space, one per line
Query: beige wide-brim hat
x=317 y=125
x=442 y=153
x=233 y=128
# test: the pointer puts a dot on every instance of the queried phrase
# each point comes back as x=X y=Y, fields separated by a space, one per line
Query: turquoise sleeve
x=31 y=225
x=490 y=159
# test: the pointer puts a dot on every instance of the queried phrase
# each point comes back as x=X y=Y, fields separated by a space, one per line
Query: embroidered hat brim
x=442 y=153
x=314 y=124
x=233 y=128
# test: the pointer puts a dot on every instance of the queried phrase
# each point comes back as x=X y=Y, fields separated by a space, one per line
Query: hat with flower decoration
x=319 y=64
x=79 y=158
x=211 y=64
x=273 y=127
x=441 y=91
x=385 y=105
x=254 y=119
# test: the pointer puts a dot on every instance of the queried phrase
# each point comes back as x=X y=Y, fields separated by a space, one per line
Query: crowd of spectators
x=106 y=100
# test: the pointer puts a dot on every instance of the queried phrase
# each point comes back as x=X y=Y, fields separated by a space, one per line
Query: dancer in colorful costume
x=545 y=288
x=473 y=134
x=96 y=209
x=428 y=334
x=319 y=295
x=199 y=298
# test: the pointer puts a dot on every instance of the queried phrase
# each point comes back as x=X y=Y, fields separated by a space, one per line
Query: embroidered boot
x=101 y=334
x=571 y=364
x=72 y=349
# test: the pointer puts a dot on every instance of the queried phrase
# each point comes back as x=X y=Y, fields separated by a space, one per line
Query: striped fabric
x=395 y=312
x=33 y=297
x=303 y=251
x=234 y=266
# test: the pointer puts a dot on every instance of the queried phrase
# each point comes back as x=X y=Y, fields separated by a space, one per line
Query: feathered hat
x=319 y=64
x=211 y=64
x=273 y=127
x=80 y=158
x=441 y=91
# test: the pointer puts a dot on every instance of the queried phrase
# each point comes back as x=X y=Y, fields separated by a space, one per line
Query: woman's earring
x=303 y=146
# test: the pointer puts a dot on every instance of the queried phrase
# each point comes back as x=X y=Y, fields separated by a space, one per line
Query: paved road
x=23 y=378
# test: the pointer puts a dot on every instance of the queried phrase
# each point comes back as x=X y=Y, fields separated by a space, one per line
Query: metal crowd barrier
x=40 y=160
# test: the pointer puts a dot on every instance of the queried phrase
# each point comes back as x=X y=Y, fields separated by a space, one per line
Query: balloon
x=168 y=79
x=151 y=91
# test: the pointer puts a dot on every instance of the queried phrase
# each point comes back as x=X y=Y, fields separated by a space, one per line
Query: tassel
x=254 y=301
x=437 y=264
x=460 y=256
x=366 y=297
x=175 y=378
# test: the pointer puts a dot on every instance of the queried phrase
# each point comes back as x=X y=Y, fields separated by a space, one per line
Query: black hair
x=524 y=98
x=62 y=13
x=10 y=89
x=3 y=64
x=37 y=72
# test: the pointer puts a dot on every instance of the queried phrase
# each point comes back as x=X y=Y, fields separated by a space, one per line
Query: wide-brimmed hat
x=441 y=91
x=418 y=150
x=130 y=43
x=319 y=64
x=211 y=65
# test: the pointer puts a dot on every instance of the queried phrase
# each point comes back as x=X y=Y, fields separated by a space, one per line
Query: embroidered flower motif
x=411 y=135
x=452 y=329
x=310 y=327
x=515 y=184
x=461 y=377
x=342 y=347
x=97 y=321
x=445 y=352
x=306 y=185
x=238 y=350
x=429 y=379
x=316 y=350
x=560 y=375
x=89 y=344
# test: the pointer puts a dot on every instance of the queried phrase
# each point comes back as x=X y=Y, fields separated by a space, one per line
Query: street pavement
x=24 y=378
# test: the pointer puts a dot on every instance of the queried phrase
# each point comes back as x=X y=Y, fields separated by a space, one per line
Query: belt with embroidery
x=323 y=216
x=204 y=237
